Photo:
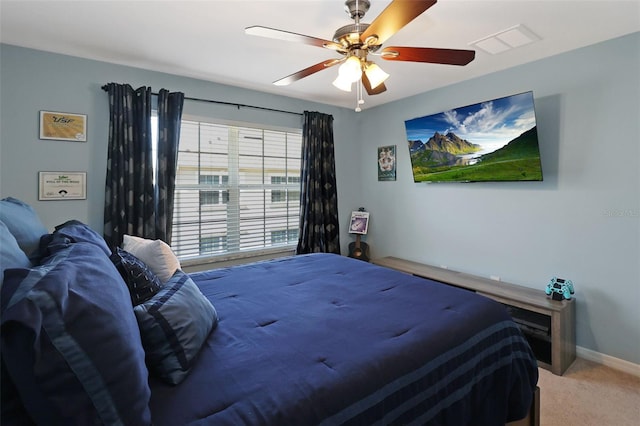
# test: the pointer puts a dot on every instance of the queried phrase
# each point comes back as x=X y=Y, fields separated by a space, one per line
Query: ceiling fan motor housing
x=349 y=35
x=356 y=8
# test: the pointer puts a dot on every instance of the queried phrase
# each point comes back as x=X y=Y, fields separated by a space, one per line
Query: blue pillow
x=174 y=325
x=12 y=412
x=140 y=280
x=73 y=231
x=71 y=343
x=11 y=255
x=23 y=222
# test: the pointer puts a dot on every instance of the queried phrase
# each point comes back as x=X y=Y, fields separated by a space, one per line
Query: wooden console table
x=549 y=325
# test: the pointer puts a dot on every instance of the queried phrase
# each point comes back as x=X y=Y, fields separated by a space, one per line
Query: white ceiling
x=205 y=39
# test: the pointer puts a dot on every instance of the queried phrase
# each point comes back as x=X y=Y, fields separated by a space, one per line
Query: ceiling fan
x=355 y=42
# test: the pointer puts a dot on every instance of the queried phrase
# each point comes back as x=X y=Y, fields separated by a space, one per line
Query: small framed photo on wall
x=63 y=126
x=387 y=163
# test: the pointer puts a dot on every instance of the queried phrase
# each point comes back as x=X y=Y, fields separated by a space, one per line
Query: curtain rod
x=188 y=98
x=239 y=105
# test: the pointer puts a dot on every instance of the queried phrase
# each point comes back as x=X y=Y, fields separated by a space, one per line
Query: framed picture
x=63 y=126
x=62 y=186
x=359 y=223
x=387 y=163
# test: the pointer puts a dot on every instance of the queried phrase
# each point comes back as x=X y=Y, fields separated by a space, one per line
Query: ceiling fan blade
x=398 y=14
x=367 y=86
x=427 y=54
x=294 y=37
x=307 y=72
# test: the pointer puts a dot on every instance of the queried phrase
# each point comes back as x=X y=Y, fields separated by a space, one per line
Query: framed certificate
x=62 y=186
x=63 y=126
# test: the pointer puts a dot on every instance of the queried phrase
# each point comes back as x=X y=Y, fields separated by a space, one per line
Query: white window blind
x=237 y=189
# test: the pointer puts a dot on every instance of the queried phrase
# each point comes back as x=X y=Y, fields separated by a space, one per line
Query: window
x=237 y=189
x=281 y=196
x=213 y=197
x=284 y=235
x=209 y=245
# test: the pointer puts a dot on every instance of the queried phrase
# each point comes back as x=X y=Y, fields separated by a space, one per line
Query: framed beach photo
x=387 y=163
x=62 y=186
x=63 y=126
x=359 y=223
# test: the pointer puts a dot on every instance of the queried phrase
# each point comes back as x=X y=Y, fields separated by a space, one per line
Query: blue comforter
x=325 y=339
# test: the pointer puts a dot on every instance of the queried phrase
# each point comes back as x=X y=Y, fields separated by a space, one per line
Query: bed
x=325 y=339
x=315 y=339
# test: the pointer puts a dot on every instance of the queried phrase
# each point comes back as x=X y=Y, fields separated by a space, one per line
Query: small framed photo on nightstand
x=359 y=223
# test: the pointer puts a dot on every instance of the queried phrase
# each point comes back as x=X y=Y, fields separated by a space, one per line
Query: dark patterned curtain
x=129 y=195
x=139 y=199
x=169 y=116
x=319 y=230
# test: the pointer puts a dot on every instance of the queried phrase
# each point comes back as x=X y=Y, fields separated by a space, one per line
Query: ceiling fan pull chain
x=359 y=100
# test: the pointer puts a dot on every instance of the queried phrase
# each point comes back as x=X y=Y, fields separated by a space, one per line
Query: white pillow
x=156 y=254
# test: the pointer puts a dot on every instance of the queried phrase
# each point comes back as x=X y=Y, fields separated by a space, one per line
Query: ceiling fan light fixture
x=342 y=83
x=375 y=74
x=350 y=70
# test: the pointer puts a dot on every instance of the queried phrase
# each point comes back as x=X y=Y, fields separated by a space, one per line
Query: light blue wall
x=582 y=222
x=32 y=80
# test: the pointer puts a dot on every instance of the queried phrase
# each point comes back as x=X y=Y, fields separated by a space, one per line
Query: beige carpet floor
x=589 y=394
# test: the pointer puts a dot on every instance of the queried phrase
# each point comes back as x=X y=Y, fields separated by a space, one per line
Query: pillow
x=23 y=222
x=11 y=255
x=12 y=412
x=79 y=232
x=72 y=231
x=71 y=343
x=140 y=280
x=174 y=325
x=156 y=254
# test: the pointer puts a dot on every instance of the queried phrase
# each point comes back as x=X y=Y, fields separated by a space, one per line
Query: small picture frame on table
x=359 y=223
x=62 y=186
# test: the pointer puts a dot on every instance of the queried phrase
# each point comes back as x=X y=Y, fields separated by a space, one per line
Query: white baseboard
x=609 y=361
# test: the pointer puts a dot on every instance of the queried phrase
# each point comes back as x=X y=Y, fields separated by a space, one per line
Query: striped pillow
x=174 y=325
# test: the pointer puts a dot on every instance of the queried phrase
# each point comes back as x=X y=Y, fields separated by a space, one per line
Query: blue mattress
x=325 y=339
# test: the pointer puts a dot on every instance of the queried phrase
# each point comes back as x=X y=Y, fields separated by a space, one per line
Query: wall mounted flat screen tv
x=491 y=141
